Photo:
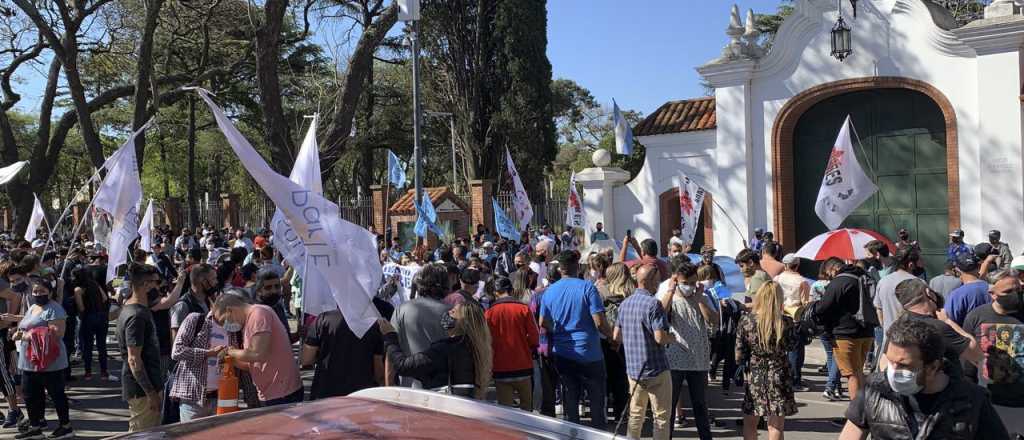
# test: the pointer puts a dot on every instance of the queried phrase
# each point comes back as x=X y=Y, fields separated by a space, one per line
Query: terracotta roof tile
x=679 y=117
x=406 y=205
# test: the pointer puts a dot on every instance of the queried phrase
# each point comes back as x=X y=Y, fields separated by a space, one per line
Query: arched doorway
x=668 y=209
x=905 y=148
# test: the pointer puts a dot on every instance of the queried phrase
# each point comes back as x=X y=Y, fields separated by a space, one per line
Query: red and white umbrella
x=847 y=244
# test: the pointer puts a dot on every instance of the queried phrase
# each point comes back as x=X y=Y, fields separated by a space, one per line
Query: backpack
x=43 y=347
x=866 y=314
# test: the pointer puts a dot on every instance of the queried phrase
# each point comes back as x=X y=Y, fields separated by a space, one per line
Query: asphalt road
x=98 y=412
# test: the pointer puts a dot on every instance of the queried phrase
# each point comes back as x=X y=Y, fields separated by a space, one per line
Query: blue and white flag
x=343 y=253
x=396 y=170
x=426 y=218
x=623 y=132
x=504 y=225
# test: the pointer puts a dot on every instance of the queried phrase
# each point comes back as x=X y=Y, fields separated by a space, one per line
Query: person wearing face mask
x=143 y=378
x=197 y=372
x=540 y=258
x=1007 y=307
x=461 y=363
x=43 y=320
x=267 y=355
x=202 y=280
x=268 y=291
x=915 y=398
x=922 y=304
x=692 y=319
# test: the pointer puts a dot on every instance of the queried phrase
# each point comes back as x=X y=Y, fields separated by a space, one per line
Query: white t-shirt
x=217 y=337
x=791 y=283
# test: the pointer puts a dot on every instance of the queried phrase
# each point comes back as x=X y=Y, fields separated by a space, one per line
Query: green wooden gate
x=904 y=139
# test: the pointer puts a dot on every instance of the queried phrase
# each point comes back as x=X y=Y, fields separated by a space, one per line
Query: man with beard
x=1003 y=249
x=138 y=343
x=957 y=247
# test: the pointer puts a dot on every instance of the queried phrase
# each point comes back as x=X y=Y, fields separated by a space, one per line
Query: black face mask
x=41 y=300
x=447 y=321
x=21 y=287
x=153 y=297
x=1011 y=303
x=539 y=258
x=270 y=300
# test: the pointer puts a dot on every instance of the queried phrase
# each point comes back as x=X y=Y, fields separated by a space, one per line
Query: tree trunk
x=193 y=215
x=144 y=71
x=20 y=195
x=163 y=164
x=268 y=54
x=77 y=90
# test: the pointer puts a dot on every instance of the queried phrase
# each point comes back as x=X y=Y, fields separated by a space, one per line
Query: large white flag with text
x=520 y=201
x=344 y=254
x=119 y=196
x=36 y=220
x=845 y=186
x=691 y=200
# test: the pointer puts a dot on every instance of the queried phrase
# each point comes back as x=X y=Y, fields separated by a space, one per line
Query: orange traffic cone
x=227 y=389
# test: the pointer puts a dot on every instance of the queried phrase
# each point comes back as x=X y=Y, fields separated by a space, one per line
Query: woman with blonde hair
x=619 y=284
x=763 y=339
x=460 y=363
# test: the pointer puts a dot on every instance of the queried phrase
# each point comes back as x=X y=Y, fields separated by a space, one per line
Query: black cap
x=994 y=234
x=910 y=291
x=967 y=263
x=502 y=284
x=982 y=250
x=958 y=233
x=470 y=276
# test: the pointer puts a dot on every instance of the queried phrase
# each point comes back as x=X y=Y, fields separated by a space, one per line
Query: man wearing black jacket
x=851 y=337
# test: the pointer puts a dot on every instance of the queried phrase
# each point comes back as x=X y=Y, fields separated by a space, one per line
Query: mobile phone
x=629 y=232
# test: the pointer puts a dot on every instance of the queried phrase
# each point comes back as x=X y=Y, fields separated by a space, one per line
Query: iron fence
x=546 y=210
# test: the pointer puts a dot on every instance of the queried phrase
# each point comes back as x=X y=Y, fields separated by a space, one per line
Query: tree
x=487 y=64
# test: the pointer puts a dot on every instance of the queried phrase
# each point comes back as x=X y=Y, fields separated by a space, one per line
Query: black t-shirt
x=99 y=274
x=162 y=318
x=955 y=342
x=344 y=363
x=135 y=327
x=1002 y=394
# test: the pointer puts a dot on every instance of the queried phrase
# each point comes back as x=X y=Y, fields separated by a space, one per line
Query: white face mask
x=903 y=381
x=687 y=290
x=593 y=274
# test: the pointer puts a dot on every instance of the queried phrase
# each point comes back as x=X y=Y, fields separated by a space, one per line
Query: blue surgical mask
x=232 y=327
x=903 y=381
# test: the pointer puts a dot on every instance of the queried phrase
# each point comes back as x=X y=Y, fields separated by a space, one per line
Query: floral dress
x=769 y=388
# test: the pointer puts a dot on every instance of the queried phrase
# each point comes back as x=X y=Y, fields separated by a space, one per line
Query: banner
x=405 y=277
x=9 y=172
x=344 y=254
x=34 y=222
x=574 y=216
x=503 y=225
x=146 y=229
x=623 y=132
x=520 y=201
x=844 y=186
x=691 y=200
x=119 y=196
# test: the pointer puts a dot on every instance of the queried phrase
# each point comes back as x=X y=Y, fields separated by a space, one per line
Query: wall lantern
x=842 y=45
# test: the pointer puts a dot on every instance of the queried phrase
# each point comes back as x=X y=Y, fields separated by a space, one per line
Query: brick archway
x=782 y=142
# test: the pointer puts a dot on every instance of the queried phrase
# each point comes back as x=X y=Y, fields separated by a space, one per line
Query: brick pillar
x=481 y=209
x=172 y=214
x=379 y=210
x=229 y=205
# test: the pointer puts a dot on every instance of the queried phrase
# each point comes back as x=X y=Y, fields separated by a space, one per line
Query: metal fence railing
x=546 y=210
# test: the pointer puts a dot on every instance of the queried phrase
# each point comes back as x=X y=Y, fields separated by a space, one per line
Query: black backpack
x=866 y=314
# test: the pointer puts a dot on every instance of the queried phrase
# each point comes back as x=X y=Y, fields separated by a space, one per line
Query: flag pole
x=881 y=194
x=726 y=214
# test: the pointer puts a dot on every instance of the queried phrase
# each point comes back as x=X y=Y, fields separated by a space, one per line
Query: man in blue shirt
x=957 y=247
x=572 y=313
x=971 y=295
x=642 y=329
x=599 y=233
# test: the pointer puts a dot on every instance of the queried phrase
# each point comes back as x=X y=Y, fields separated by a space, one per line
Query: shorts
x=850 y=354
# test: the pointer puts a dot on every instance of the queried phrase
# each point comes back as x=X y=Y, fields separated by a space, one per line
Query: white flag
x=8 y=172
x=574 y=216
x=119 y=195
x=623 y=132
x=316 y=293
x=344 y=254
x=691 y=200
x=520 y=201
x=146 y=229
x=34 y=222
x=845 y=186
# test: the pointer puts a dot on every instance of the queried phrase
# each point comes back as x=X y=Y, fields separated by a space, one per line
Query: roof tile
x=679 y=117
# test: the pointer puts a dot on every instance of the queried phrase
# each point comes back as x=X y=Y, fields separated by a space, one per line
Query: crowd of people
x=601 y=337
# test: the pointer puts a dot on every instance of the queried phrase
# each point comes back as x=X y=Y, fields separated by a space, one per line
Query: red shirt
x=513 y=337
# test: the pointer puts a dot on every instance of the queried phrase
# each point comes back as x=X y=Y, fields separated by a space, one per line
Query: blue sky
x=643 y=54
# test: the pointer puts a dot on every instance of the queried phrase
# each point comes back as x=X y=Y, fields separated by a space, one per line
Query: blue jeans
x=832 y=383
x=189 y=411
x=796 y=363
x=577 y=376
x=879 y=337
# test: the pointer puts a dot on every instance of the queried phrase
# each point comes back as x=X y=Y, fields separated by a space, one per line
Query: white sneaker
x=113 y=378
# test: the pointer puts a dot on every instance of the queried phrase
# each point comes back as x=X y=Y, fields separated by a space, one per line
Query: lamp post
x=451 y=116
x=409 y=12
x=842 y=45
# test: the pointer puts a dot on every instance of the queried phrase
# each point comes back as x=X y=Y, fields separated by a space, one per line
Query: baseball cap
x=995 y=234
x=983 y=250
x=502 y=284
x=790 y=259
x=958 y=233
x=707 y=248
x=910 y=291
x=967 y=263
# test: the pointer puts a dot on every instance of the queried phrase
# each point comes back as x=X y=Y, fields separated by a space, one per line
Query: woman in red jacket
x=513 y=338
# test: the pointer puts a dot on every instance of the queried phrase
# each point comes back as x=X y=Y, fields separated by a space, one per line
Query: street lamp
x=451 y=116
x=409 y=12
x=842 y=45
